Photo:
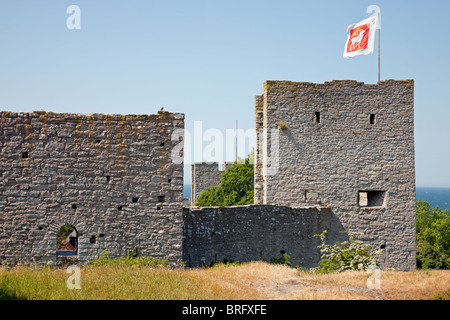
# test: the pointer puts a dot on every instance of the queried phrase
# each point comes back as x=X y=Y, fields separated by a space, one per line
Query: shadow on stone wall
x=256 y=232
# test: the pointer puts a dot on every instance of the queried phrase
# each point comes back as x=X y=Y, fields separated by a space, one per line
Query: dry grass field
x=251 y=281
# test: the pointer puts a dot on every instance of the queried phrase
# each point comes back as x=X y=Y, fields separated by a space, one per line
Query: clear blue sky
x=208 y=59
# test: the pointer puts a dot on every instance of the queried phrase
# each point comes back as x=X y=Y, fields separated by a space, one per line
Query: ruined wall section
x=205 y=175
x=252 y=233
x=345 y=142
x=258 y=164
x=110 y=176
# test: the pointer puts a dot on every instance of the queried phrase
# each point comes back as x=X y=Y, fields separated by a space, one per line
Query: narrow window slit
x=317 y=117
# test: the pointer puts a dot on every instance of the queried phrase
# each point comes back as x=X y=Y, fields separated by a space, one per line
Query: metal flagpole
x=236 y=156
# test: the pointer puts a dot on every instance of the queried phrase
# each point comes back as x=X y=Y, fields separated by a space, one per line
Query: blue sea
x=436 y=197
x=187 y=191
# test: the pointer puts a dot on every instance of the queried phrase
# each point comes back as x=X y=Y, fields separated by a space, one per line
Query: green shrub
x=284 y=259
x=226 y=262
x=432 y=236
x=347 y=255
x=445 y=295
x=132 y=259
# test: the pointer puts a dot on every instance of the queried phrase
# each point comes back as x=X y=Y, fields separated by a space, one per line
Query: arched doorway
x=67 y=241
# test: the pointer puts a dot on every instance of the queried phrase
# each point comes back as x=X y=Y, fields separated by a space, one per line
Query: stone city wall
x=253 y=232
x=110 y=176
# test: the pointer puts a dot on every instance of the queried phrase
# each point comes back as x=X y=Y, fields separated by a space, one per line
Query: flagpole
x=236 y=156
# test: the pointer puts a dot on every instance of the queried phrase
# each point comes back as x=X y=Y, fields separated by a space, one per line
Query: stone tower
x=346 y=145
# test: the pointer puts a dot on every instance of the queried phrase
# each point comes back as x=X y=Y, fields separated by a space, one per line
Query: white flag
x=361 y=37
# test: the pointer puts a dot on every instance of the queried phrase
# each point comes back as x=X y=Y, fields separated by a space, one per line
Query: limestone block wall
x=258 y=197
x=110 y=176
x=350 y=146
x=253 y=232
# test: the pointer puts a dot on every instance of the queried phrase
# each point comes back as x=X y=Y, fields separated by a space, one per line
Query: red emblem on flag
x=359 y=38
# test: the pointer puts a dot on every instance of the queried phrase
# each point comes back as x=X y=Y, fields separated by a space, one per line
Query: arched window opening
x=67 y=241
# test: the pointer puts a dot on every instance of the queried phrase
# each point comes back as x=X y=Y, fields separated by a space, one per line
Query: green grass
x=101 y=283
x=444 y=295
x=134 y=279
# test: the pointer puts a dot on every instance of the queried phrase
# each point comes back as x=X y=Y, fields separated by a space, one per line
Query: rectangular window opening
x=92 y=239
x=135 y=199
x=161 y=198
x=371 y=198
x=24 y=155
x=372 y=118
x=317 y=117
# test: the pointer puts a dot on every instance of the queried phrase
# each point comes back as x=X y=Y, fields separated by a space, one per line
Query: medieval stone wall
x=334 y=156
x=346 y=145
x=254 y=232
x=110 y=176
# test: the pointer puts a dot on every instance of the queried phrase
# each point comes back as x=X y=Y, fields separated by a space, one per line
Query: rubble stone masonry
x=110 y=176
x=336 y=156
x=346 y=145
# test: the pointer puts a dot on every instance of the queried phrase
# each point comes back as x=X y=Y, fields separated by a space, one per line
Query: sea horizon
x=435 y=196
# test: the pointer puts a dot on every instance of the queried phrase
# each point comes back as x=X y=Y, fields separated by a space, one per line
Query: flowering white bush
x=347 y=255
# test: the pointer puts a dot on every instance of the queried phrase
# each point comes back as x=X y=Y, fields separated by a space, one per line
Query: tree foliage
x=433 y=236
x=62 y=234
x=236 y=187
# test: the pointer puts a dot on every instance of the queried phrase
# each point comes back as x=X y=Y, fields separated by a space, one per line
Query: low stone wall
x=253 y=232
